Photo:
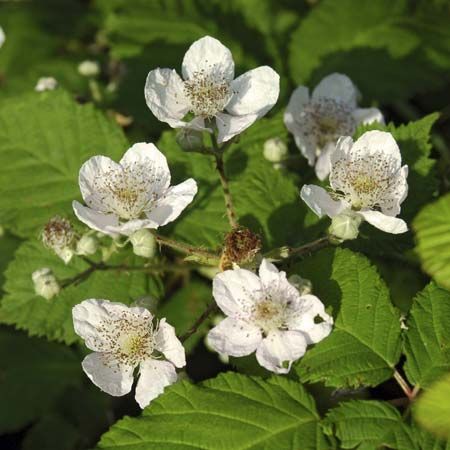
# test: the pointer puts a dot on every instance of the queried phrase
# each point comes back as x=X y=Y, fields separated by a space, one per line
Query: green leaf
x=432 y=410
x=50 y=137
x=375 y=43
x=364 y=345
x=427 y=340
x=432 y=227
x=266 y=200
x=230 y=412
x=53 y=318
x=362 y=424
x=184 y=307
x=8 y=245
x=372 y=425
x=33 y=374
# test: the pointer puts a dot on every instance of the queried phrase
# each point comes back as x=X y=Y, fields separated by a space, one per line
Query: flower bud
x=302 y=285
x=275 y=150
x=89 y=68
x=345 y=226
x=144 y=243
x=87 y=245
x=45 y=283
x=2 y=37
x=46 y=84
x=241 y=246
x=58 y=235
x=190 y=140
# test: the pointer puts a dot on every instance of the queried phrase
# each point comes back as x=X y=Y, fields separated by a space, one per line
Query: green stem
x=186 y=248
x=209 y=309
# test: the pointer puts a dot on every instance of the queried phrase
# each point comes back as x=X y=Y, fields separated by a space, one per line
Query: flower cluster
x=267 y=314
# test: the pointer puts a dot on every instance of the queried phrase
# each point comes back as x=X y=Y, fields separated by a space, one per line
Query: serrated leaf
x=363 y=424
x=375 y=43
x=266 y=200
x=432 y=409
x=432 y=227
x=33 y=374
x=230 y=412
x=50 y=137
x=364 y=345
x=53 y=318
x=427 y=340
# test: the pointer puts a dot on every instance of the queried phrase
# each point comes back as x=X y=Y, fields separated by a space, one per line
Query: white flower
x=45 y=283
x=124 y=338
x=266 y=314
x=58 y=235
x=366 y=178
x=89 y=68
x=133 y=194
x=2 y=37
x=46 y=84
x=318 y=121
x=209 y=91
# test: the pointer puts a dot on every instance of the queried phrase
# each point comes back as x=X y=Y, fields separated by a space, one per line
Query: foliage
x=379 y=380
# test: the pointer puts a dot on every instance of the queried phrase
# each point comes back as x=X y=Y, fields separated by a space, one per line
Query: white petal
x=146 y=154
x=210 y=56
x=323 y=163
x=318 y=199
x=390 y=205
x=173 y=202
x=198 y=123
x=368 y=115
x=235 y=291
x=105 y=223
x=164 y=94
x=90 y=314
x=255 y=92
x=107 y=374
x=94 y=173
x=337 y=86
x=303 y=318
x=154 y=377
x=280 y=349
x=169 y=345
x=234 y=337
x=298 y=99
x=379 y=141
x=268 y=273
x=128 y=228
x=229 y=126
x=385 y=223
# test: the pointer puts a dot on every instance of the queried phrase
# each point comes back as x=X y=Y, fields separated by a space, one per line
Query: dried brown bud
x=240 y=247
x=59 y=236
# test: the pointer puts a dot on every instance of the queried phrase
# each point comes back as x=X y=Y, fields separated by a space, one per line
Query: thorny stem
x=218 y=155
x=410 y=393
x=311 y=247
x=185 y=248
x=210 y=308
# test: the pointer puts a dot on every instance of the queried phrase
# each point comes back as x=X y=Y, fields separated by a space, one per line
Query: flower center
x=128 y=339
x=208 y=93
x=326 y=119
x=268 y=315
x=364 y=180
x=126 y=192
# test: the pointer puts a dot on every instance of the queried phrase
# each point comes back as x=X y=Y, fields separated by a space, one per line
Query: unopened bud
x=275 y=150
x=302 y=285
x=58 y=235
x=2 y=37
x=89 y=68
x=45 y=283
x=144 y=243
x=87 y=245
x=190 y=140
x=345 y=226
x=46 y=84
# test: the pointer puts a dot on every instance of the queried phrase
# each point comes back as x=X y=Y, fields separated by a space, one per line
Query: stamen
x=208 y=92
